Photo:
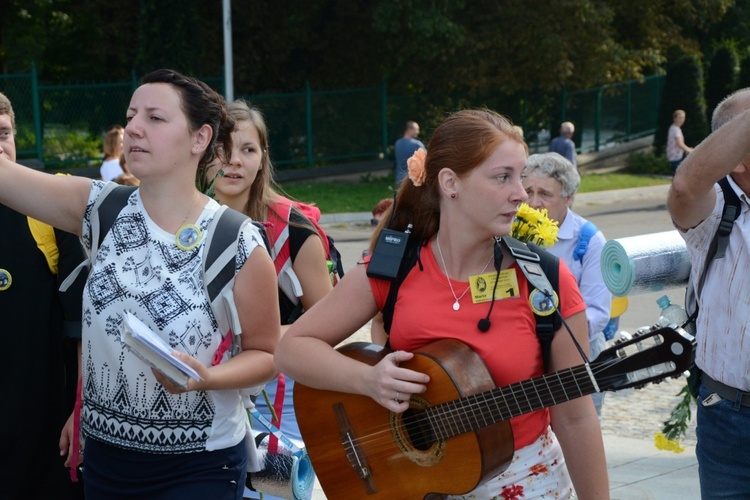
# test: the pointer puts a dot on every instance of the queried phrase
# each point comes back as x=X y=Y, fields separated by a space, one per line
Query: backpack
x=716 y=250
x=528 y=256
x=278 y=233
x=588 y=231
x=218 y=262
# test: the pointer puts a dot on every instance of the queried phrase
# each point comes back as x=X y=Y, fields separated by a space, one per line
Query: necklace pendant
x=456 y=306
x=188 y=237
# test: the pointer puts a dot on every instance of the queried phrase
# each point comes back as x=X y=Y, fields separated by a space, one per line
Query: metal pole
x=228 y=64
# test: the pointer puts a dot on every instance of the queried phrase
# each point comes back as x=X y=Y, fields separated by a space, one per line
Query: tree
x=744 y=78
x=683 y=89
x=169 y=36
x=722 y=76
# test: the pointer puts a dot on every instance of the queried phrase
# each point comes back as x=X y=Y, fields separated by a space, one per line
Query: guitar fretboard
x=490 y=407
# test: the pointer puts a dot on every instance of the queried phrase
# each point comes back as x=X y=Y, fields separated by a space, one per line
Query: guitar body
x=362 y=450
x=457 y=434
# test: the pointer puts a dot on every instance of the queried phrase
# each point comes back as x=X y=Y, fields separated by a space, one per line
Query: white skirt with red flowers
x=536 y=471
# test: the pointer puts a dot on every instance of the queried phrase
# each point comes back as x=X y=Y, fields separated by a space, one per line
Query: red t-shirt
x=510 y=349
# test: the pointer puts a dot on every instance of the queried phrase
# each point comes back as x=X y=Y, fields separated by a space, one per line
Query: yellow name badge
x=482 y=285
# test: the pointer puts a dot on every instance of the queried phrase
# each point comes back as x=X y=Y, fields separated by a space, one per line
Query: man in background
x=405 y=147
x=40 y=334
x=696 y=202
x=552 y=182
x=564 y=145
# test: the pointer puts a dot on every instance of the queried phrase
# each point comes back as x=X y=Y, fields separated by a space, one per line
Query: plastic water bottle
x=672 y=313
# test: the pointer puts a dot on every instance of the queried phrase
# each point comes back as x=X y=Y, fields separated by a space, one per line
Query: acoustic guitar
x=456 y=435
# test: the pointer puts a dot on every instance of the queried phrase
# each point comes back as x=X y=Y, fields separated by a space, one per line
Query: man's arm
x=692 y=196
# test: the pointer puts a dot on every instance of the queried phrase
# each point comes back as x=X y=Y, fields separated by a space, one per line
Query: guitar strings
x=380 y=437
x=481 y=401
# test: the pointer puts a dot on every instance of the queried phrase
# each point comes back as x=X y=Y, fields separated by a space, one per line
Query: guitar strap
x=542 y=270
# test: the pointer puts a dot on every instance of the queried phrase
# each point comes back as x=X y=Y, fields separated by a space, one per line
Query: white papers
x=154 y=351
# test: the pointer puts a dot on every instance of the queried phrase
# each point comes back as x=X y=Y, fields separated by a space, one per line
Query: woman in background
x=111 y=169
x=247 y=186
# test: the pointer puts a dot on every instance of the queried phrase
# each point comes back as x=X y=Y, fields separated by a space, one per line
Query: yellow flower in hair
x=532 y=225
x=417 y=173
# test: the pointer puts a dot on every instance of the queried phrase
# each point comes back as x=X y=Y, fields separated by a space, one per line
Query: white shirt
x=111 y=170
x=674 y=152
x=723 y=339
x=588 y=271
x=139 y=268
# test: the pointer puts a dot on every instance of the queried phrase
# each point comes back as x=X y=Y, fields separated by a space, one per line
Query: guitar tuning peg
x=622 y=336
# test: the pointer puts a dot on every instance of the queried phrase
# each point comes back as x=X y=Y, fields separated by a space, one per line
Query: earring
x=453 y=195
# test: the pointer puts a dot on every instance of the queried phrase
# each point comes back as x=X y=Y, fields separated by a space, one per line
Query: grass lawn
x=342 y=197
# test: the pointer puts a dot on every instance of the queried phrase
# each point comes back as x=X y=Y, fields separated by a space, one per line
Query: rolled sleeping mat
x=645 y=263
x=285 y=474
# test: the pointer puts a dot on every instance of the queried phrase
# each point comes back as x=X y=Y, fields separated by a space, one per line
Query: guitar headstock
x=651 y=355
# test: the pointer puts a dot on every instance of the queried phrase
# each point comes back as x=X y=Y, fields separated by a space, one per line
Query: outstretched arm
x=692 y=196
x=57 y=200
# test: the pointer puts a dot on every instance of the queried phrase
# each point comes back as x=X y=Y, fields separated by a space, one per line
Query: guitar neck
x=490 y=407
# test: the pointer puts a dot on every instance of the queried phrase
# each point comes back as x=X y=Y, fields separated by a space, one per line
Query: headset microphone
x=485 y=323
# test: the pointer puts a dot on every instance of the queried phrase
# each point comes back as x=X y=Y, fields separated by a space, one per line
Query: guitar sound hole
x=418 y=429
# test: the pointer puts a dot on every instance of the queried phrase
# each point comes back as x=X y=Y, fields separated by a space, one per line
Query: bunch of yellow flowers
x=532 y=225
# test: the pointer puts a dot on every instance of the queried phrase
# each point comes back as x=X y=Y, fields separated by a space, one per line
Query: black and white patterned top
x=140 y=269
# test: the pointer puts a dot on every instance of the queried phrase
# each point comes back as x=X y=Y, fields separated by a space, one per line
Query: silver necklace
x=456 y=305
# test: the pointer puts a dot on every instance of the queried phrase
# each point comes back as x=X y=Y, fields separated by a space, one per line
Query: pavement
x=630 y=418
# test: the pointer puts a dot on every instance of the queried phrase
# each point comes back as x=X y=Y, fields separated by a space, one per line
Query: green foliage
x=647 y=163
x=178 y=45
x=683 y=89
x=63 y=145
x=25 y=138
x=676 y=425
x=416 y=44
x=722 y=76
x=744 y=79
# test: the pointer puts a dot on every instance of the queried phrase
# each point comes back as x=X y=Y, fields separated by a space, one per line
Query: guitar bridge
x=353 y=452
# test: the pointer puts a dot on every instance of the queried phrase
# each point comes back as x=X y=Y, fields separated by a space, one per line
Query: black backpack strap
x=220 y=251
x=110 y=208
x=729 y=214
x=410 y=259
x=718 y=247
x=335 y=257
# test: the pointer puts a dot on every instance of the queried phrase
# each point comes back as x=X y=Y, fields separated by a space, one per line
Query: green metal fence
x=63 y=124
x=613 y=113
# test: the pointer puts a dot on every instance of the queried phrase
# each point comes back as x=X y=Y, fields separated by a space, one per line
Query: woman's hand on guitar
x=392 y=385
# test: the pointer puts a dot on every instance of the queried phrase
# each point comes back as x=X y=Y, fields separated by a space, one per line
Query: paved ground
x=630 y=418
